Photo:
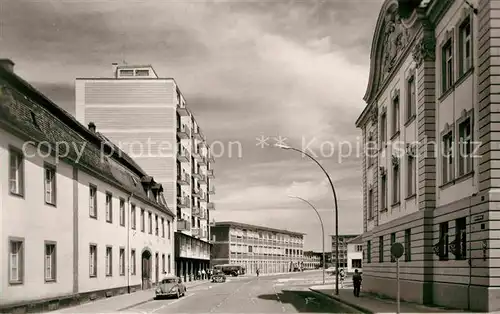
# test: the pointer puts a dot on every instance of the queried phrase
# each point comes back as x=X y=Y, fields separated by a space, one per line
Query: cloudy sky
x=248 y=69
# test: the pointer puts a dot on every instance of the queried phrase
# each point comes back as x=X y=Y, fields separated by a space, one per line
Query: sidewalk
x=368 y=303
x=121 y=302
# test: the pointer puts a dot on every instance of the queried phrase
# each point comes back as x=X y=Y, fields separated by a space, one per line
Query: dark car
x=218 y=276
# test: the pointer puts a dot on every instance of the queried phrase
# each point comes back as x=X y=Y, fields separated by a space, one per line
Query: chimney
x=7 y=64
x=92 y=126
x=115 y=68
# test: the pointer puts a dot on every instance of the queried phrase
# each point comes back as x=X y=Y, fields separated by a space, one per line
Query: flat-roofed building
x=255 y=247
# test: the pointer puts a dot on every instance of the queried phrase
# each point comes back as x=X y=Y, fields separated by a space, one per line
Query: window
x=369 y=252
x=141 y=72
x=395 y=184
x=109 y=207
x=356 y=263
x=132 y=262
x=358 y=248
x=143 y=220
x=162 y=227
x=93 y=201
x=370 y=204
x=168 y=229
x=50 y=185
x=168 y=265
x=465 y=144
x=443 y=241
x=447 y=162
x=460 y=238
x=371 y=151
x=393 y=240
x=383 y=192
x=109 y=261
x=132 y=216
x=122 y=262
x=465 y=47
x=411 y=169
x=156 y=224
x=122 y=212
x=93 y=261
x=16 y=261
x=381 y=249
x=127 y=72
x=447 y=59
x=150 y=223
x=163 y=263
x=395 y=115
x=50 y=261
x=383 y=129
x=16 y=173
x=407 y=245
x=411 y=103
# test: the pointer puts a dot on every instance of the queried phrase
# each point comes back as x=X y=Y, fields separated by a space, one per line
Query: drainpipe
x=128 y=242
x=470 y=251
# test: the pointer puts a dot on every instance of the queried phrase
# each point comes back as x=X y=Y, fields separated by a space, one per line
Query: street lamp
x=322 y=232
x=336 y=212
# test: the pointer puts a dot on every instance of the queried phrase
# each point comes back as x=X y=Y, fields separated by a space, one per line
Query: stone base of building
x=53 y=304
x=453 y=296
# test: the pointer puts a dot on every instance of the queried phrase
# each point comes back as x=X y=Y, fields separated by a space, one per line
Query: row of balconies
x=183 y=202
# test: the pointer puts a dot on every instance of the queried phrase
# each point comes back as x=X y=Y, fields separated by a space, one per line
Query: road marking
x=168 y=304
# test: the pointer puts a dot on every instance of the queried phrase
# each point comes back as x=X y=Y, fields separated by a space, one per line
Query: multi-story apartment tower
x=147 y=117
x=430 y=173
x=79 y=219
x=343 y=239
x=255 y=247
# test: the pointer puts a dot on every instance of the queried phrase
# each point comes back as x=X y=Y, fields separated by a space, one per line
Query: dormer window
x=126 y=72
x=141 y=72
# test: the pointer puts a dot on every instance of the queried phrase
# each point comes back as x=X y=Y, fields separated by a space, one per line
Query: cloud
x=247 y=68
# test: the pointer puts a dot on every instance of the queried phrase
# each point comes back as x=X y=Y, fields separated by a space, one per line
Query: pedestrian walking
x=356 y=281
x=199 y=274
x=203 y=273
x=257 y=272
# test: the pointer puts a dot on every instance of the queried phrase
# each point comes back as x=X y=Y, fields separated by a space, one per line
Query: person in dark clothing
x=356 y=281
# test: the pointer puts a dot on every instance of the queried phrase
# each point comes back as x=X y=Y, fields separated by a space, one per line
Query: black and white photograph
x=249 y=156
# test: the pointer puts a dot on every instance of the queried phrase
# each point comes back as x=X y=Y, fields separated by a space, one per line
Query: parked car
x=218 y=276
x=170 y=286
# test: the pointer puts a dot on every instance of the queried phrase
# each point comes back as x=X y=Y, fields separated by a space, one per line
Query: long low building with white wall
x=79 y=219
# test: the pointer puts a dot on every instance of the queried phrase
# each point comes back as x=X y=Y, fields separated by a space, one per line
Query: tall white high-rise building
x=146 y=116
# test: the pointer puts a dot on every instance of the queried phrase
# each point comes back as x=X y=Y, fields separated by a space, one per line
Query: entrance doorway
x=146 y=270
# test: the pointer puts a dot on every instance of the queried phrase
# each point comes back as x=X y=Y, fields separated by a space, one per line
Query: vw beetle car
x=169 y=286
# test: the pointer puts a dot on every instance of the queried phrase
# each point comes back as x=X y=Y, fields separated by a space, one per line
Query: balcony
x=197 y=211
x=182 y=154
x=183 y=225
x=196 y=232
x=210 y=173
x=210 y=158
x=196 y=192
x=199 y=158
x=211 y=190
x=182 y=110
x=183 y=178
x=203 y=179
x=182 y=202
x=183 y=132
x=198 y=135
x=197 y=174
x=210 y=206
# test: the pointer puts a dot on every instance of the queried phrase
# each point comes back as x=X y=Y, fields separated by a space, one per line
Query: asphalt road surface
x=270 y=294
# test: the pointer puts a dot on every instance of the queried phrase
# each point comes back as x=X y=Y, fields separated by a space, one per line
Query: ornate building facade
x=430 y=165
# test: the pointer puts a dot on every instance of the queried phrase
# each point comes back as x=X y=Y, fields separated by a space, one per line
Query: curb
x=152 y=298
x=354 y=306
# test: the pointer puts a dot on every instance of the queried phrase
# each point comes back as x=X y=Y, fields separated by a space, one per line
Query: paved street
x=267 y=294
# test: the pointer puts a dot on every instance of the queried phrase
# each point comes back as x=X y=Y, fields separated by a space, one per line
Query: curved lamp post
x=336 y=213
x=322 y=231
